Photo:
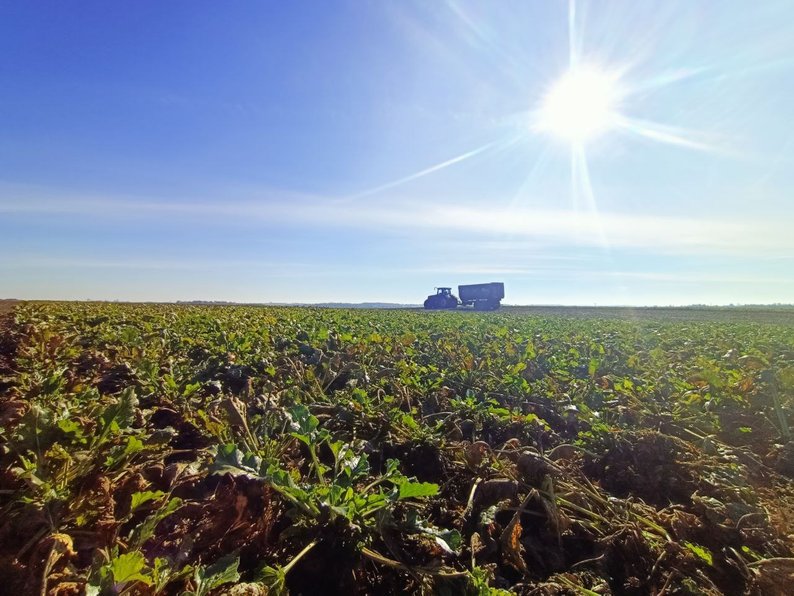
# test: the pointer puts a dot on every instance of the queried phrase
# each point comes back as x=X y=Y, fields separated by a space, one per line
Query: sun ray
x=541 y=161
x=429 y=170
x=664 y=133
x=670 y=77
x=488 y=41
x=573 y=52
x=583 y=196
x=583 y=186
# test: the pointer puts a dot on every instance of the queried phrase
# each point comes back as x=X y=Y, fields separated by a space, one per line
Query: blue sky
x=362 y=150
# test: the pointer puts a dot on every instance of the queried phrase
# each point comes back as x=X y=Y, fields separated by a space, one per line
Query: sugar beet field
x=161 y=449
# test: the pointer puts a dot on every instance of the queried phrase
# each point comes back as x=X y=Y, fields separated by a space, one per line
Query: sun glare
x=580 y=106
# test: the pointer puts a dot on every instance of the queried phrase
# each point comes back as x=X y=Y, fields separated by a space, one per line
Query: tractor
x=443 y=298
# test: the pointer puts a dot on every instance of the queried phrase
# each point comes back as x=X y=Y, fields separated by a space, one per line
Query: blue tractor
x=443 y=298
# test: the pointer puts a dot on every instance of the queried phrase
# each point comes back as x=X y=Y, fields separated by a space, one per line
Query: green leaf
x=222 y=571
x=409 y=490
x=165 y=571
x=785 y=377
x=190 y=389
x=169 y=381
x=275 y=579
x=335 y=447
x=70 y=427
x=133 y=446
x=229 y=459
x=392 y=467
x=532 y=418
x=118 y=415
x=450 y=540
x=306 y=439
x=410 y=422
x=479 y=579
x=140 y=498
x=302 y=421
x=753 y=555
x=701 y=551
x=118 y=454
x=146 y=529
x=124 y=412
x=128 y=567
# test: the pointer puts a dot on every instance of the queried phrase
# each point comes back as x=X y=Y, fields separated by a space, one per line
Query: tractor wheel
x=432 y=303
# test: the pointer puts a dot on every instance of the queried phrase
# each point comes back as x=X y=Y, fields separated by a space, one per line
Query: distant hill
x=382 y=305
x=365 y=305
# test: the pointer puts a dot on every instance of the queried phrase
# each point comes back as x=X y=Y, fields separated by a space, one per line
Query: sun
x=581 y=105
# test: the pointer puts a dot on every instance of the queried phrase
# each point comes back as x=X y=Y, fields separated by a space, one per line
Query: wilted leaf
x=511 y=544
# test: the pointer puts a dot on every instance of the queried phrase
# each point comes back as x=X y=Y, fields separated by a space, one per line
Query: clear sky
x=371 y=150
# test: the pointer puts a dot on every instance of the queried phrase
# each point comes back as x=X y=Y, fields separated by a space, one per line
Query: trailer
x=486 y=296
x=479 y=296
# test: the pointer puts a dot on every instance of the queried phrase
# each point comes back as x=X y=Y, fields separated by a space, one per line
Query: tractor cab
x=443 y=298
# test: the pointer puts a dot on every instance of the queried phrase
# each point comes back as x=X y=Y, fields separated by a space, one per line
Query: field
x=160 y=449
